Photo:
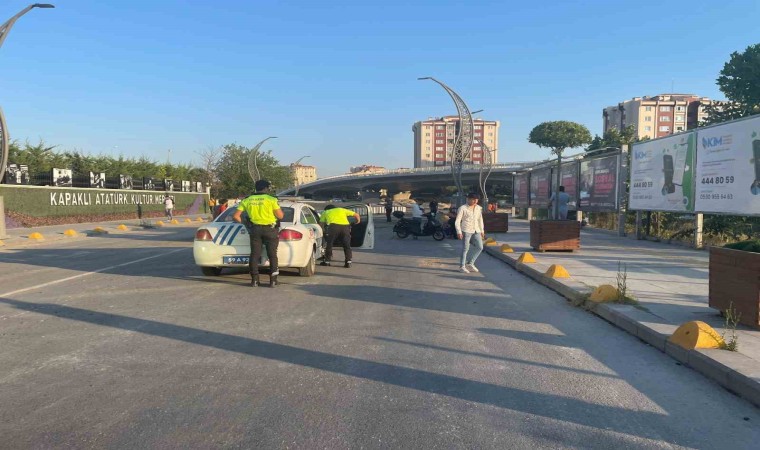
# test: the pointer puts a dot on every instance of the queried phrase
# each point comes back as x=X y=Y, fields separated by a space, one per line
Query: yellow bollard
x=604 y=293
x=200 y=219
x=122 y=227
x=159 y=223
x=70 y=232
x=505 y=248
x=696 y=334
x=526 y=258
x=36 y=236
x=100 y=230
x=188 y=220
x=557 y=271
x=174 y=221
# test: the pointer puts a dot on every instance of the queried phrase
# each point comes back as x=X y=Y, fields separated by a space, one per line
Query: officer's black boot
x=273 y=281
x=347 y=265
x=255 y=281
x=324 y=263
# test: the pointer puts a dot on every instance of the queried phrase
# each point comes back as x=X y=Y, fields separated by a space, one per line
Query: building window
x=490 y=134
x=439 y=141
x=439 y=127
x=664 y=118
x=664 y=108
x=427 y=134
x=680 y=108
x=665 y=128
x=428 y=147
x=478 y=127
x=648 y=108
x=427 y=141
x=647 y=128
x=679 y=118
x=647 y=118
x=439 y=135
x=679 y=128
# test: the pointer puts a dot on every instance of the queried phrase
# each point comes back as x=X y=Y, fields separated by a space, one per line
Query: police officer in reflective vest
x=263 y=212
x=338 y=229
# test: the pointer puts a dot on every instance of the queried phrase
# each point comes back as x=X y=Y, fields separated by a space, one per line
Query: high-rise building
x=434 y=141
x=302 y=174
x=657 y=116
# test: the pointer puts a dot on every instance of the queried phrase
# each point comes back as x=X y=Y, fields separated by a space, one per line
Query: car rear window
x=226 y=216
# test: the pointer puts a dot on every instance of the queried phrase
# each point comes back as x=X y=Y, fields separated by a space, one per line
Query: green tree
x=739 y=81
x=559 y=136
x=614 y=138
x=232 y=171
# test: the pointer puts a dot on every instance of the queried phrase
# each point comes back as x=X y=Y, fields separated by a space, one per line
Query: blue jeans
x=477 y=244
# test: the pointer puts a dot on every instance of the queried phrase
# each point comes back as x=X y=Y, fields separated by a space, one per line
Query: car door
x=310 y=219
x=363 y=233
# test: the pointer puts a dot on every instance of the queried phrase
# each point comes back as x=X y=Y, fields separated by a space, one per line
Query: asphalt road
x=118 y=341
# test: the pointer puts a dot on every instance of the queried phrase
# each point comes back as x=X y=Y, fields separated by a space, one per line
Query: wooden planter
x=735 y=277
x=555 y=235
x=495 y=222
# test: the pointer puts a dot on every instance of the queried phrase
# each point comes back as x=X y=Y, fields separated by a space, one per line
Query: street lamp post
x=295 y=169
x=253 y=168
x=4 y=136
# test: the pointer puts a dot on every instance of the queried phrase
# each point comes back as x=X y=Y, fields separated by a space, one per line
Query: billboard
x=540 y=188
x=62 y=177
x=149 y=184
x=17 y=174
x=125 y=182
x=520 y=191
x=598 y=184
x=569 y=181
x=662 y=174
x=728 y=168
x=97 y=179
x=185 y=186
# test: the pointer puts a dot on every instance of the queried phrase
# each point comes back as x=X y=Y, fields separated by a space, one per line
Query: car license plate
x=242 y=260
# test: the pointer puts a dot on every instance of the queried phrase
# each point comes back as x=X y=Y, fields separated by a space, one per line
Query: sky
x=337 y=81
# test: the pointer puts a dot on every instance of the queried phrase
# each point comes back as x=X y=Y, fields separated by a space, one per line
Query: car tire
x=311 y=266
x=211 y=271
x=402 y=234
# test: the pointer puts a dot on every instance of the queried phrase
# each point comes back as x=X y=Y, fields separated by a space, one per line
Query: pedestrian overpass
x=430 y=179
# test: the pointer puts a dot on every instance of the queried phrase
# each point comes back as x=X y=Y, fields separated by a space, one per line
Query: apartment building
x=434 y=140
x=302 y=174
x=657 y=116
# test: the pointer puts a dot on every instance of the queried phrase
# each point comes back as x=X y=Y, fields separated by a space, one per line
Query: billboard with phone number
x=520 y=191
x=662 y=173
x=728 y=168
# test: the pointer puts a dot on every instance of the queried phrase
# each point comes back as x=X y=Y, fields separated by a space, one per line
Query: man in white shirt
x=169 y=207
x=469 y=226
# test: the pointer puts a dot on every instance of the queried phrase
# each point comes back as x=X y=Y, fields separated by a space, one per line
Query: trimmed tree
x=559 y=136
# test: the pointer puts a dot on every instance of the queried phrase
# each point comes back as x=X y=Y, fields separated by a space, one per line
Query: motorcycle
x=405 y=227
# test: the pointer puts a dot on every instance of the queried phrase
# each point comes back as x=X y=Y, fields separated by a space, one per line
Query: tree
x=558 y=136
x=232 y=171
x=614 y=138
x=207 y=175
x=739 y=81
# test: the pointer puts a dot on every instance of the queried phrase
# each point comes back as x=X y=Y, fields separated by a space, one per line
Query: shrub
x=747 y=246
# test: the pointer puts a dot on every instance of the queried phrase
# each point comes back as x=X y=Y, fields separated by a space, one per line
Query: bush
x=747 y=246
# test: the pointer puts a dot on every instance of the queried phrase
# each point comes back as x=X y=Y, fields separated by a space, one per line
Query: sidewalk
x=670 y=284
x=19 y=237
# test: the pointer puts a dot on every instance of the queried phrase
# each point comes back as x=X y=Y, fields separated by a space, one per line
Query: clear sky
x=338 y=80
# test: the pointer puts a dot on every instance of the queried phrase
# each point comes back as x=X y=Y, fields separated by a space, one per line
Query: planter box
x=555 y=235
x=735 y=277
x=495 y=222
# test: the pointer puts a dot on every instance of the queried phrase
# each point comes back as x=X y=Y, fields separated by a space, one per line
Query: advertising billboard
x=570 y=182
x=97 y=179
x=598 y=184
x=62 y=177
x=662 y=174
x=17 y=174
x=728 y=168
x=540 y=188
x=521 y=189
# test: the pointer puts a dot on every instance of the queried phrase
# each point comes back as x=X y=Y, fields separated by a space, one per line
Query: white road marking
x=74 y=277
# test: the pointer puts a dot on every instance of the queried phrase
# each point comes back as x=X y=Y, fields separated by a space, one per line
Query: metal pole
x=5 y=28
x=698 y=229
x=253 y=169
x=295 y=167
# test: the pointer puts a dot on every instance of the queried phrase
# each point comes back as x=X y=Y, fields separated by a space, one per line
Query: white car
x=224 y=243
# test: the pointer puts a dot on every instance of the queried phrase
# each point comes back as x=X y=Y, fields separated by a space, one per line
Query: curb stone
x=733 y=371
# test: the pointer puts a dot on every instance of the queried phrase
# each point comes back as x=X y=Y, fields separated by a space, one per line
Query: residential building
x=367 y=168
x=657 y=116
x=434 y=140
x=302 y=174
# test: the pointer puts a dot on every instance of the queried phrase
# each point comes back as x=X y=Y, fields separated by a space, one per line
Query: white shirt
x=469 y=219
x=169 y=203
x=416 y=210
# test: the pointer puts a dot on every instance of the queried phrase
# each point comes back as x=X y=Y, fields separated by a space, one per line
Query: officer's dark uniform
x=338 y=230
x=260 y=208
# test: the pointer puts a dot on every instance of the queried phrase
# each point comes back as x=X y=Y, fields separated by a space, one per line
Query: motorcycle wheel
x=438 y=235
x=402 y=234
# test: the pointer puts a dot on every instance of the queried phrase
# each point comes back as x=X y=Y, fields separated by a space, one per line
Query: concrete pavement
x=670 y=284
